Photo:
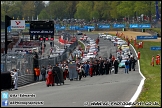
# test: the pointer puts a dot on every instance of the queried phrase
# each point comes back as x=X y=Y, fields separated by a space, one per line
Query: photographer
x=14 y=75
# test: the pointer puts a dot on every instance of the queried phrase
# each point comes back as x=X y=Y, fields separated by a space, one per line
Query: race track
x=113 y=87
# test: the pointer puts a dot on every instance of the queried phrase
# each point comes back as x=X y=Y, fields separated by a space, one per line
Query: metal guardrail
x=25 y=79
x=25 y=64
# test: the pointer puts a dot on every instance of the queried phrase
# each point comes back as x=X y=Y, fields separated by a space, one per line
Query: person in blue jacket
x=126 y=66
x=86 y=68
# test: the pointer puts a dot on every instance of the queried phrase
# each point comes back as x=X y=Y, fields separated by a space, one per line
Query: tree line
x=88 y=10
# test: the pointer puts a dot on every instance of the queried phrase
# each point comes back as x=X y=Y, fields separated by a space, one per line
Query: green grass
x=158 y=30
x=82 y=46
x=151 y=91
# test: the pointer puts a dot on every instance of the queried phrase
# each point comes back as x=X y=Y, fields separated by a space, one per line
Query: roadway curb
x=139 y=89
x=31 y=84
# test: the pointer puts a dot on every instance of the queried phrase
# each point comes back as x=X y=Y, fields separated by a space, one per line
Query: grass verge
x=151 y=91
x=81 y=44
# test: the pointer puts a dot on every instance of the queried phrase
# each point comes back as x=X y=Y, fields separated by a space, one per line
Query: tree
x=28 y=10
x=145 y=7
x=126 y=8
x=39 y=5
x=43 y=15
x=70 y=8
x=57 y=9
x=140 y=7
x=113 y=11
x=2 y=15
x=84 y=9
x=102 y=8
x=17 y=10
x=7 y=6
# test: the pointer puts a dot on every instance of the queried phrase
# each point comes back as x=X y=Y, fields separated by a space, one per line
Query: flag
x=157 y=10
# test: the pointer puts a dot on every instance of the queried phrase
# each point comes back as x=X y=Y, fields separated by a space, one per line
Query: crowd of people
x=95 y=66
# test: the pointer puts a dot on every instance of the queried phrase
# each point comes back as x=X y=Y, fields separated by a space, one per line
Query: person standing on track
x=116 y=63
x=86 y=68
x=37 y=73
x=130 y=63
x=113 y=58
x=91 y=69
x=133 y=63
x=97 y=67
x=79 y=70
x=126 y=66
x=101 y=67
x=108 y=66
x=43 y=73
x=15 y=81
x=50 y=77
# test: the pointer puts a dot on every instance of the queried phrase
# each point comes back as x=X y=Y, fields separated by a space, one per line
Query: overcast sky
x=46 y=2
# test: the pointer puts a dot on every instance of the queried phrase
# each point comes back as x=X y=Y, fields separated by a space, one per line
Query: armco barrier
x=25 y=72
x=25 y=79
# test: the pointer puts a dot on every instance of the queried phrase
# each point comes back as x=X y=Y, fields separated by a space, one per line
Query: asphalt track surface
x=104 y=88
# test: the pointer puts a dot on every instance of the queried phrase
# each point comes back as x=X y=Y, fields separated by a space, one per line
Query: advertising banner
x=27 y=25
x=82 y=28
x=144 y=26
x=145 y=37
x=72 y=28
x=118 y=26
x=77 y=27
x=140 y=26
x=56 y=25
x=9 y=28
x=41 y=32
x=104 y=26
x=17 y=24
x=60 y=28
x=91 y=27
x=133 y=26
x=155 y=48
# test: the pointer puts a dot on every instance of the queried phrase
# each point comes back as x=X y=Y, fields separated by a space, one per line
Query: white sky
x=46 y=2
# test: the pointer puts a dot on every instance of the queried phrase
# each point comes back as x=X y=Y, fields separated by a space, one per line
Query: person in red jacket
x=158 y=59
x=113 y=58
x=139 y=54
x=50 y=77
x=37 y=73
x=91 y=70
x=65 y=72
